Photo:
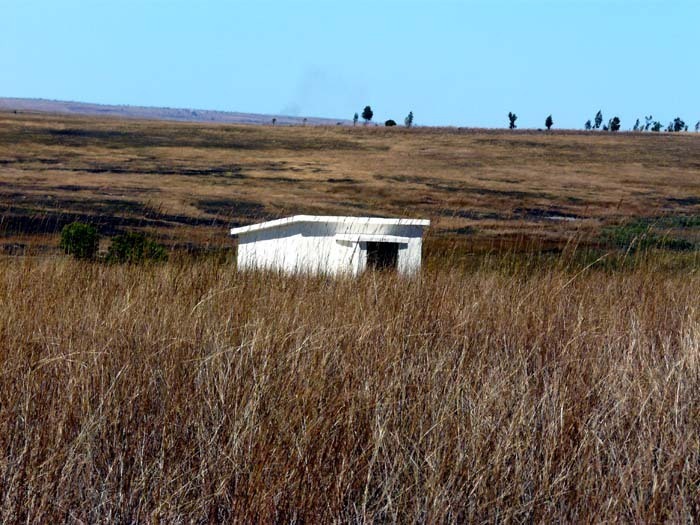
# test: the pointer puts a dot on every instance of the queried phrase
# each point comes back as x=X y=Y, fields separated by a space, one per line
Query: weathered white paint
x=329 y=245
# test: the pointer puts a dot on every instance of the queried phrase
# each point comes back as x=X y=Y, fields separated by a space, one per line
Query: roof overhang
x=350 y=221
x=358 y=237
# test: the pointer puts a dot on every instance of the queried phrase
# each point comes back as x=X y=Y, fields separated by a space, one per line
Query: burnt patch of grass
x=230 y=172
x=286 y=180
x=684 y=201
x=543 y=214
x=475 y=215
x=231 y=207
x=183 y=136
x=359 y=205
x=465 y=188
x=463 y=230
x=37 y=214
x=341 y=180
x=97 y=134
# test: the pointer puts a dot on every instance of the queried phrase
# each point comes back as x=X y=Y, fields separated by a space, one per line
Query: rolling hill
x=60 y=107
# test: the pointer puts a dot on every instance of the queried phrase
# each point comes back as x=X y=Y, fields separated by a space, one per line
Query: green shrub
x=643 y=234
x=134 y=248
x=80 y=240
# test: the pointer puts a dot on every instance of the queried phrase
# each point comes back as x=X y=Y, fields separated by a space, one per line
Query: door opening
x=382 y=255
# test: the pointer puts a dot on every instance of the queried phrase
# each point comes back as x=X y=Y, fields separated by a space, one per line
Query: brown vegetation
x=544 y=367
x=188 y=182
x=504 y=391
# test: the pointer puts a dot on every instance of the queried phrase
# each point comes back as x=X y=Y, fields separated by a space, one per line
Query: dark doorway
x=382 y=255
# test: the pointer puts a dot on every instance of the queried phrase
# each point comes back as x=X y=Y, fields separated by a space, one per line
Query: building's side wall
x=298 y=248
x=258 y=251
x=313 y=248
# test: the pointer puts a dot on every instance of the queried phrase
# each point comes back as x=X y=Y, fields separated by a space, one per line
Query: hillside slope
x=155 y=113
x=189 y=182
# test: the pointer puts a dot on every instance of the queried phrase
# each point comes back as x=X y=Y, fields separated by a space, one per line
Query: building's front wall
x=313 y=247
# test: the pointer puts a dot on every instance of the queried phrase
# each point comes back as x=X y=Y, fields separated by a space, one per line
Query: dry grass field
x=188 y=182
x=544 y=366
x=187 y=392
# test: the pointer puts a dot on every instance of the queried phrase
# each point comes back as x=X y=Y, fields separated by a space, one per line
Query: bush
x=80 y=240
x=134 y=248
x=642 y=234
x=390 y=123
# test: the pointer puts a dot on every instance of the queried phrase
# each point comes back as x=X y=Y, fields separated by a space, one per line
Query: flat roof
x=372 y=221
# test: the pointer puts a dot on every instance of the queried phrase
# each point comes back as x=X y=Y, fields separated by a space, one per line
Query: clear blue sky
x=463 y=63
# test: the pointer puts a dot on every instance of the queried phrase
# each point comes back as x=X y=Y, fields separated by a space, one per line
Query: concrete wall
x=315 y=248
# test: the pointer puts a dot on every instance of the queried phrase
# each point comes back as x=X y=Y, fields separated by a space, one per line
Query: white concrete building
x=331 y=245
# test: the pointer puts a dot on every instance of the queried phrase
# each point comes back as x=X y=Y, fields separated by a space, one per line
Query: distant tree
x=588 y=125
x=656 y=126
x=367 y=114
x=669 y=128
x=549 y=122
x=274 y=121
x=648 y=122
x=389 y=123
x=304 y=121
x=512 y=117
x=605 y=128
x=409 y=119
x=355 y=118
x=686 y=128
x=678 y=124
x=636 y=126
x=598 y=120
x=614 y=124
x=697 y=126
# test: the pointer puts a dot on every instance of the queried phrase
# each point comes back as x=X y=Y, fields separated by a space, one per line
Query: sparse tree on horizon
x=355 y=118
x=598 y=119
x=587 y=126
x=274 y=121
x=367 y=114
x=549 y=122
x=636 y=126
x=648 y=122
x=614 y=124
x=409 y=119
x=697 y=126
x=512 y=117
x=656 y=126
x=678 y=124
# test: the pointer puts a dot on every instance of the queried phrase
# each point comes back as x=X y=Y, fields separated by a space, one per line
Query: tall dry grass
x=189 y=393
